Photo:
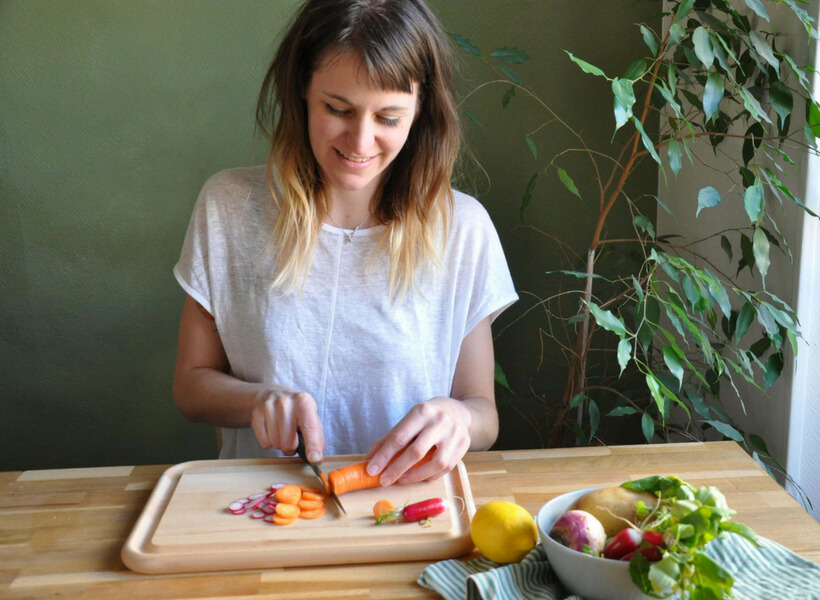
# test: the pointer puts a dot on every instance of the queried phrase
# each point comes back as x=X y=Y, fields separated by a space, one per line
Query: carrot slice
x=312 y=514
x=310 y=488
x=319 y=497
x=382 y=507
x=310 y=504
x=289 y=494
x=355 y=476
x=289 y=511
x=280 y=520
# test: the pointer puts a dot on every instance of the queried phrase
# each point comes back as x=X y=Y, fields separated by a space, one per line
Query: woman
x=345 y=289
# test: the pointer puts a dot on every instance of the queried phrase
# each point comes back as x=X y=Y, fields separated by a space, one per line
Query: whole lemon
x=503 y=531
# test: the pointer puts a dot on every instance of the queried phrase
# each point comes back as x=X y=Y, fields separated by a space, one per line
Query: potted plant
x=651 y=328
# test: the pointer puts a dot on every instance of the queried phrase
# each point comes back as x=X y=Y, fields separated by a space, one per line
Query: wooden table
x=61 y=531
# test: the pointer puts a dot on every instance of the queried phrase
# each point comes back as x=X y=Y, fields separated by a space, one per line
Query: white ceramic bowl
x=588 y=576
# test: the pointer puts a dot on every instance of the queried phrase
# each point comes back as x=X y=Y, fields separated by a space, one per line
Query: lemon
x=503 y=531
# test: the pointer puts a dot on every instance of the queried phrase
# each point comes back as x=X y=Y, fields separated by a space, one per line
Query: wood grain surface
x=186 y=527
x=61 y=531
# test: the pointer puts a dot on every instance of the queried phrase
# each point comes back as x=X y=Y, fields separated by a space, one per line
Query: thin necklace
x=349 y=235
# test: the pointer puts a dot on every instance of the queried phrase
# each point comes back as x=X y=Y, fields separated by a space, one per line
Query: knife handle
x=300 y=447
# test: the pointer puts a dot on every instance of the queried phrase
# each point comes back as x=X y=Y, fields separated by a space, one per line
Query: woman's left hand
x=440 y=423
x=453 y=425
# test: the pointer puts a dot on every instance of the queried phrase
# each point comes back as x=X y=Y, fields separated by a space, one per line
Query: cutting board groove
x=186 y=527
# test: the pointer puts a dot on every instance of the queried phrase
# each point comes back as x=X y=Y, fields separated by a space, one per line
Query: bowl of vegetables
x=642 y=539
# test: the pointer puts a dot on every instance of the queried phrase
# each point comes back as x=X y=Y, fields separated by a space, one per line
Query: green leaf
x=500 y=377
x=624 y=353
x=765 y=318
x=763 y=48
x=647 y=427
x=466 y=44
x=753 y=106
x=761 y=252
x=727 y=247
x=772 y=370
x=684 y=9
x=759 y=443
x=708 y=197
x=585 y=66
x=676 y=34
x=594 y=417
x=577 y=399
x=531 y=145
x=744 y=320
x=672 y=356
x=753 y=201
x=622 y=411
x=657 y=394
x=647 y=142
x=665 y=573
x=510 y=55
x=674 y=155
x=567 y=181
x=726 y=430
x=508 y=95
x=624 y=101
x=781 y=98
x=759 y=8
x=645 y=225
x=649 y=39
x=636 y=69
x=703 y=47
x=511 y=75
x=607 y=320
x=525 y=201
x=712 y=95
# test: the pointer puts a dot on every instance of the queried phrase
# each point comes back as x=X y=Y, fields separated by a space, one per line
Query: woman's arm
x=467 y=420
x=205 y=392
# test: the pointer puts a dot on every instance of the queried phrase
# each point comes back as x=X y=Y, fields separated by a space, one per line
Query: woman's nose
x=362 y=134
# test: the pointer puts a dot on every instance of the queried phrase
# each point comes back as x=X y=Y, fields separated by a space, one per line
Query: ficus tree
x=657 y=336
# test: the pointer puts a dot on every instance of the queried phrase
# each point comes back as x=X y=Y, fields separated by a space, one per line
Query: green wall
x=112 y=115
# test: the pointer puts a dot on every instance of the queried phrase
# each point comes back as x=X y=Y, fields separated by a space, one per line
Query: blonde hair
x=398 y=42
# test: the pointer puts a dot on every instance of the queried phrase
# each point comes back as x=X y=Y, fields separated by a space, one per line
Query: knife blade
x=300 y=450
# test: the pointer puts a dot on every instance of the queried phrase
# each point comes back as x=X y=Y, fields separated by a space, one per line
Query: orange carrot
x=280 y=520
x=309 y=489
x=310 y=504
x=288 y=511
x=382 y=507
x=355 y=477
x=312 y=514
x=289 y=494
x=320 y=497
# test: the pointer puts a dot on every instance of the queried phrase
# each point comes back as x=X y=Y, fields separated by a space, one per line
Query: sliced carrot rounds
x=284 y=504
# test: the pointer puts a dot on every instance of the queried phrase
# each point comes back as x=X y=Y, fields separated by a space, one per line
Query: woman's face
x=355 y=130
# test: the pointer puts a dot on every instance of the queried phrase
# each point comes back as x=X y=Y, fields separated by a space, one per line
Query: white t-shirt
x=365 y=358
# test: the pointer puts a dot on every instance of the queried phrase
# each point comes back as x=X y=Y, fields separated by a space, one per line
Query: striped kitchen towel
x=764 y=573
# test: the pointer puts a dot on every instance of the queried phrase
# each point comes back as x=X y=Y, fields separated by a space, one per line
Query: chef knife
x=300 y=450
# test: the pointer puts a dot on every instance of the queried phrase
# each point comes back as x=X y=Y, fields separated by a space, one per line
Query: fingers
x=276 y=419
x=440 y=424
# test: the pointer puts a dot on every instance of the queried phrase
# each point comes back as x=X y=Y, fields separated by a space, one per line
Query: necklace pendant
x=349 y=237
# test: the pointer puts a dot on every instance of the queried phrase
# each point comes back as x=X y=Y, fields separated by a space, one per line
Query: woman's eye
x=389 y=122
x=335 y=111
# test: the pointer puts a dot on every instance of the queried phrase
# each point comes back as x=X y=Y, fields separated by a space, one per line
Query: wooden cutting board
x=186 y=527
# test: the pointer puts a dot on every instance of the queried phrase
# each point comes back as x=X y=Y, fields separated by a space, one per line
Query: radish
x=417 y=511
x=625 y=541
x=579 y=530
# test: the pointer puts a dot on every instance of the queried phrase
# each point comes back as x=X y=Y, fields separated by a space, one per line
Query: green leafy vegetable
x=688 y=518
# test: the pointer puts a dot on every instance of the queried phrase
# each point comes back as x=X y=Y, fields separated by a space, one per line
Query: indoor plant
x=656 y=334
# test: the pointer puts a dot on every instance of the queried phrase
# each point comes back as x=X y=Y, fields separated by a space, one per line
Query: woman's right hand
x=277 y=416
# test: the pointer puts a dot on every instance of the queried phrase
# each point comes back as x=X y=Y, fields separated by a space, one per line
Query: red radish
x=652 y=553
x=257 y=514
x=653 y=537
x=625 y=541
x=237 y=507
x=255 y=503
x=417 y=511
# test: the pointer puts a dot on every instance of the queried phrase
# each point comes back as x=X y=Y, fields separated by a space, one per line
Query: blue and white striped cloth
x=767 y=573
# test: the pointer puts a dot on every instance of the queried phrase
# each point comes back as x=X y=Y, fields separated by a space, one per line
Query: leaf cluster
x=688 y=519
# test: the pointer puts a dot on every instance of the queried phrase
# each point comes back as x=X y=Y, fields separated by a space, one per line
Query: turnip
x=579 y=530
